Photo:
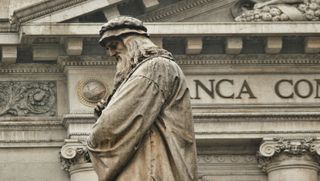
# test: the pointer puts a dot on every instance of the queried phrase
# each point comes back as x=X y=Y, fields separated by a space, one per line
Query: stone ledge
x=179 y=29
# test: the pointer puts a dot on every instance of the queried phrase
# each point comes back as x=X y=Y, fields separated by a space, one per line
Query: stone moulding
x=77 y=119
x=180 y=7
x=42 y=8
x=247 y=59
x=240 y=117
x=29 y=68
x=300 y=59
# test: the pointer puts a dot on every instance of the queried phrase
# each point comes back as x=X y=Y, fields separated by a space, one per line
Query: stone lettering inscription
x=255 y=89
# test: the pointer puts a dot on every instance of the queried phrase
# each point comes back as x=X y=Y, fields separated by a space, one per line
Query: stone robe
x=146 y=131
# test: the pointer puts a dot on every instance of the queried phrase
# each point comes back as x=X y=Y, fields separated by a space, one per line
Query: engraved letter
x=203 y=87
x=245 y=89
x=277 y=91
x=318 y=86
x=219 y=91
x=310 y=89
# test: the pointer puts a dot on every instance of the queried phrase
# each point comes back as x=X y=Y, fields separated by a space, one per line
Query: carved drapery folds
x=28 y=98
x=275 y=151
x=73 y=153
x=276 y=10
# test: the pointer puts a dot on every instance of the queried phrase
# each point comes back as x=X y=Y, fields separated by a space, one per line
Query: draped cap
x=121 y=26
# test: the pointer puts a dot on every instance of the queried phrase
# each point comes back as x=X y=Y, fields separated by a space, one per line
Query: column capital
x=73 y=153
x=279 y=149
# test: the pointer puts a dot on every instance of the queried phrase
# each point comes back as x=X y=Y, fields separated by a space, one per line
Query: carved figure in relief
x=144 y=130
x=277 y=10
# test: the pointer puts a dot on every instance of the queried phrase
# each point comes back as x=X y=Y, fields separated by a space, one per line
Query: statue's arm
x=117 y=133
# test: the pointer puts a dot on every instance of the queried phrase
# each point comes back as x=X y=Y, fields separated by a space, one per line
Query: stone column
x=75 y=159
x=290 y=159
x=74 y=155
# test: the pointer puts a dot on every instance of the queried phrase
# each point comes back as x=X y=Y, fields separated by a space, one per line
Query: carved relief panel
x=28 y=98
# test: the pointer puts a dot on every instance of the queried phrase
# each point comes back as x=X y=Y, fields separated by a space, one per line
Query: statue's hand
x=99 y=108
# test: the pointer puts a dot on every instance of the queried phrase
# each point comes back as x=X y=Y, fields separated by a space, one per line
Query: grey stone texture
x=278 y=61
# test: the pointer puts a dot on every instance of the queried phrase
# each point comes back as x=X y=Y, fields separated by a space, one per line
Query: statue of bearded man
x=144 y=130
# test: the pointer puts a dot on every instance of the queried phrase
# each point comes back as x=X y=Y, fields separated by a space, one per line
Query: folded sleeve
x=117 y=133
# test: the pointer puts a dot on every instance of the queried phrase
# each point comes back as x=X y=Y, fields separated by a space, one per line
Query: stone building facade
x=255 y=86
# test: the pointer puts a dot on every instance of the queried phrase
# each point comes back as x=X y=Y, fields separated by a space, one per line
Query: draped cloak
x=146 y=131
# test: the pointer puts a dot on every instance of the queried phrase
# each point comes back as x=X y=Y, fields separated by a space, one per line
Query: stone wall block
x=150 y=4
x=312 y=45
x=9 y=54
x=234 y=45
x=74 y=46
x=194 y=45
x=110 y=13
x=273 y=45
x=47 y=52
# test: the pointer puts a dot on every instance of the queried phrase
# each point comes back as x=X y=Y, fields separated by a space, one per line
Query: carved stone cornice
x=78 y=125
x=78 y=119
x=282 y=59
x=64 y=61
x=73 y=153
x=174 y=9
x=282 y=149
x=41 y=9
x=244 y=59
x=29 y=68
x=238 y=117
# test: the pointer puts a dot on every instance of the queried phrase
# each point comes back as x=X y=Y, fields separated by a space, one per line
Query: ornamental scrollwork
x=291 y=147
x=73 y=154
x=276 y=10
x=29 y=98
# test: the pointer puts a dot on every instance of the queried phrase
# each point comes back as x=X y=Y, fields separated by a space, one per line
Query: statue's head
x=120 y=27
x=126 y=39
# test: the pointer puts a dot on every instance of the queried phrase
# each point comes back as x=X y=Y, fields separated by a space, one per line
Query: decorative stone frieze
x=29 y=98
x=307 y=59
x=290 y=159
x=278 y=10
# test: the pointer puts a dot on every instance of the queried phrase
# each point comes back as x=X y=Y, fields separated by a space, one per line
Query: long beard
x=124 y=66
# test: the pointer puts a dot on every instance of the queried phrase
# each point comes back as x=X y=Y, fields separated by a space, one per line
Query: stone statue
x=144 y=129
x=278 y=10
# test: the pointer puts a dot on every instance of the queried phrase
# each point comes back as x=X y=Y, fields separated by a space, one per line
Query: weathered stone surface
x=281 y=10
x=273 y=45
x=111 y=12
x=234 y=45
x=290 y=159
x=194 y=45
x=74 y=46
x=150 y=4
x=47 y=52
x=9 y=54
x=312 y=45
x=38 y=98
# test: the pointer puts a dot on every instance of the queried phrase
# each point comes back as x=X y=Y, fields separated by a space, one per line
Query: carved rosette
x=28 y=98
x=73 y=153
x=272 y=148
